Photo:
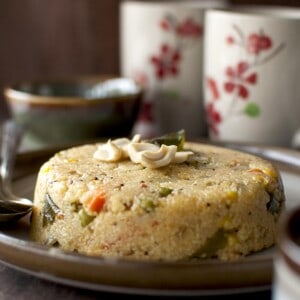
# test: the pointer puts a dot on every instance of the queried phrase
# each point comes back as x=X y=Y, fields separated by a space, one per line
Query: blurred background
x=43 y=38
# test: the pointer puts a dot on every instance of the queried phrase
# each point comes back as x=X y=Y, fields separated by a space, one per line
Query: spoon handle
x=11 y=138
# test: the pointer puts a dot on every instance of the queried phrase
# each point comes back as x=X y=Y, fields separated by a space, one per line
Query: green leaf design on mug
x=252 y=110
x=172 y=95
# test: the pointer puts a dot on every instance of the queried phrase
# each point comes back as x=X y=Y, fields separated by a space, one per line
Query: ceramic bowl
x=76 y=109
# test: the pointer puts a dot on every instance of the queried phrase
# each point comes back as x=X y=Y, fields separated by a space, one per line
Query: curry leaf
x=173 y=138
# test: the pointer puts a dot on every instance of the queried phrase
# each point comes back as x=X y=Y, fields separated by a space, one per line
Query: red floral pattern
x=257 y=43
x=141 y=78
x=165 y=25
x=213 y=118
x=241 y=77
x=212 y=86
x=230 y=40
x=188 y=28
x=167 y=62
x=238 y=78
x=146 y=113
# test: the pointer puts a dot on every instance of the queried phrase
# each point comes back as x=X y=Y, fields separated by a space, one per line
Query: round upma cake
x=209 y=202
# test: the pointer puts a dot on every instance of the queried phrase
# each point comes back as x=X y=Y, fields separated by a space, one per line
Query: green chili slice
x=50 y=211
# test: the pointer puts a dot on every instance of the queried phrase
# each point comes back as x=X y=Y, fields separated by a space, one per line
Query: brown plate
x=207 y=277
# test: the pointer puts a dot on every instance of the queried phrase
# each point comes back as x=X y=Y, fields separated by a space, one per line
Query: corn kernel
x=270 y=172
x=46 y=169
x=226 y=222
x=232 y=195
x=232 y=239
x=72 y=160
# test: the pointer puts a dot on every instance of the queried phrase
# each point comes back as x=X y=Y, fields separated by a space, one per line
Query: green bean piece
x=164 y=191
x=85 y=218
x=213 y=244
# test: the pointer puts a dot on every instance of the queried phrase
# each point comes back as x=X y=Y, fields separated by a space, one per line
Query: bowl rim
x=13 y=95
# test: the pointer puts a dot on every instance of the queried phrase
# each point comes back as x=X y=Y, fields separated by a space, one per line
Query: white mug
x=251 y=74
x=162 y=48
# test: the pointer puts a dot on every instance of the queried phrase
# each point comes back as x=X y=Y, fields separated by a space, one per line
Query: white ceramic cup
x=161 y=46
x=251 y=74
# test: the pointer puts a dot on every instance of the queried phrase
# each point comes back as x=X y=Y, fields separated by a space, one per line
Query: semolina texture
x=220 y=204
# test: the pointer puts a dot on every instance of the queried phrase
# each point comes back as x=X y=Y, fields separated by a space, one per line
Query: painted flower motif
x=141 y=78
x=212 y=86
x=257 y=43
x=145 y=124
x=170 y=57
x=165 y=24
x=230 y=40
x=258 y=49
x=238 y=79
x=166 y=62
x=146 y=112
x=186 y=28
x=213 y=118
x=189 y=28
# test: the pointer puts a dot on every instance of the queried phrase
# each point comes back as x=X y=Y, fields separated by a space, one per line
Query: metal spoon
x=12 y=207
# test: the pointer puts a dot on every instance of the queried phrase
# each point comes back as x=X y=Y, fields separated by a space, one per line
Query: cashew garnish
x=115 y=150
x=135 y=150
x=108 y=152
x=159 y=158
x=148 y=154
x=181 y=156
x=122 y=143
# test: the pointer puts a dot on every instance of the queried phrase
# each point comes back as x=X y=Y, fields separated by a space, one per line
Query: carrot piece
x=96 y=203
